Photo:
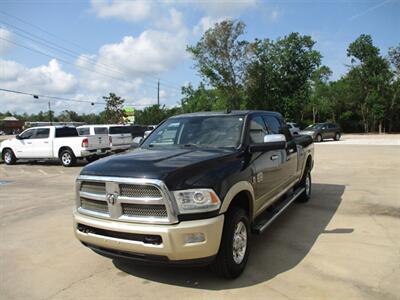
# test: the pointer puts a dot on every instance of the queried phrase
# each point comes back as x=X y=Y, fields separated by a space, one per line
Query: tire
x=306 y=184
x=233 y=254
x=9 y=157
x=318 y=138
x=67 y=158
x=337 y=136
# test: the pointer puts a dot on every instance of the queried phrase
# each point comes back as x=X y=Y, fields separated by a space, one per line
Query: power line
x=66 y=51
x=166 y=83
x=38 y=96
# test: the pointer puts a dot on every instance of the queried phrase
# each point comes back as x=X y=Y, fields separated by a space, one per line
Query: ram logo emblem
x=112 y=198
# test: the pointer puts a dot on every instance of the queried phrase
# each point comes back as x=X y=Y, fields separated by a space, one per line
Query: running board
x=270 y=214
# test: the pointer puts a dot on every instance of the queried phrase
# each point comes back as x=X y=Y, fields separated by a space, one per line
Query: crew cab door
x=268 y=166
x=41 y=143
x=23 y=145
x=289 y=156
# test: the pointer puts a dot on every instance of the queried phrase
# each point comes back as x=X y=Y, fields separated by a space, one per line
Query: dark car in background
x=321 y=131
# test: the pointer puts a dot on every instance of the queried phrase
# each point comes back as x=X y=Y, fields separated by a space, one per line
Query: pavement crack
x=75 y=282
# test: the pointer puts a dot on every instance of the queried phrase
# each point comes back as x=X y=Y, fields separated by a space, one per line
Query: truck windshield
x=198 y=131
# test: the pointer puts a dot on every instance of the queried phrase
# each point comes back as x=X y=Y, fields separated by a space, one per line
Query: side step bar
x=270 y=214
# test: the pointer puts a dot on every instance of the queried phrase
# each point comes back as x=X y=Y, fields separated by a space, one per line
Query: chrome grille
x=94 y=205
x=93 y=187
x=139 y=191
x=139 y=210
x=136 y=200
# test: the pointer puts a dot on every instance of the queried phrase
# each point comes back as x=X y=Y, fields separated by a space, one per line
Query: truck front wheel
x=234 y=249
x=67 y=158
x=9 y=157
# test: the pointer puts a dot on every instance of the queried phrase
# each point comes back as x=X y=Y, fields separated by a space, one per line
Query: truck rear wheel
x=9 y=157
x=67 y=158
x=306 y=184
x=234 y=249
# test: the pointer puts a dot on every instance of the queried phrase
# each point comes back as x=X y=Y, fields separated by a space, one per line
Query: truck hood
x=178 y=167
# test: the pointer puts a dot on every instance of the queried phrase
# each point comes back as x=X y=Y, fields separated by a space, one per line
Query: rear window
x=84 y=131
x=119 y=129
x=66 y=132
x=100 y=130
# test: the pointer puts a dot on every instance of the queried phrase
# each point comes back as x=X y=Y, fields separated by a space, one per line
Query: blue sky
x=125 y=46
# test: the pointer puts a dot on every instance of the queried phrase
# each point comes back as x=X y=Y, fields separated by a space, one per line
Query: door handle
x=29 y=142
x=46 y=142
x=274 y=157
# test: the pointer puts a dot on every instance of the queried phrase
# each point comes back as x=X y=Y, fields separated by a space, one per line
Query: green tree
x=394 y=106
x=221 y=58
x=151 y=115
x=319 y=98
x=201 y=99
x=278 y=77
x=370 y=78
x=114 y=108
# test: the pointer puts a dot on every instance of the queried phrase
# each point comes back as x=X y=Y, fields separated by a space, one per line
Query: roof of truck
x=225 y=113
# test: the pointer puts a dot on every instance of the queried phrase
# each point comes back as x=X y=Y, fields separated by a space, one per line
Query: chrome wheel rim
x=66 y=158
x=319 y=138
x=337 y=136
x=308 y=184
x=239 y=242
x=7 y=157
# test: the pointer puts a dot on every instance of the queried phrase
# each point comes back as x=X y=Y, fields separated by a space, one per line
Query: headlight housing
x=196 y=201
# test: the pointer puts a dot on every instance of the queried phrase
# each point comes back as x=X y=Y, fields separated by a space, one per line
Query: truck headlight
x=196 y=201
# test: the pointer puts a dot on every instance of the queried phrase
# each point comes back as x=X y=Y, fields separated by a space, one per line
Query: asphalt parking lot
x=343 y=244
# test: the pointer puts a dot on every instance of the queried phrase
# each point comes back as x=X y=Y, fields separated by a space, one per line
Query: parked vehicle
x=119 y=135
x=294 y=128
x=50 y=142
x=321 y=131
x=149 y=129
x=194 y=190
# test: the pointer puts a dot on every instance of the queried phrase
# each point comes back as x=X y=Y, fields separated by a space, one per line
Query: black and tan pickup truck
x=195 y=190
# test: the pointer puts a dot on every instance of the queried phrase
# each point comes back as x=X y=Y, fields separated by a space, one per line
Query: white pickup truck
x=50 y=142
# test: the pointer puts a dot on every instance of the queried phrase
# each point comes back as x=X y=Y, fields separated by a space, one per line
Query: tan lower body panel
x=173 y=246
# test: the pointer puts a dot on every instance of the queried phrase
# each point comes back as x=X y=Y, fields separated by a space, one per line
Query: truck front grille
x=139 y=191
x=138 y=210
x=93 y=187
x=125 y=199
x=94 y=205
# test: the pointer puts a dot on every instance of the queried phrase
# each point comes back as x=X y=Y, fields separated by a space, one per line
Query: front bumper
x=173 y=246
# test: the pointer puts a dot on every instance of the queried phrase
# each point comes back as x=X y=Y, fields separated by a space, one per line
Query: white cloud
x=5 y=45
x=205 y=23
x=172 y=22
x=151 y=52
x=132 y=11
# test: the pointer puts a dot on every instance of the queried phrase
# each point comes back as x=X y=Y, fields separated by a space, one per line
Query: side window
x=331 y=126
x=257 y=130
x=100 y=130
x=84 y=131
x=66 y=132
x=273 y=124
x=276 y=127
x=28 y=134
x=42 y=133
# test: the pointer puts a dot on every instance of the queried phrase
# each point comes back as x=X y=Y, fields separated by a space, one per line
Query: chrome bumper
x=174 y=244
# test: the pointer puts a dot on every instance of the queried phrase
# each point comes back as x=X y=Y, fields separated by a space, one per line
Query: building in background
x=11 y=125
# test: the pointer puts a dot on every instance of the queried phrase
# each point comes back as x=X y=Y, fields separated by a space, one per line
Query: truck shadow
x=280 y=248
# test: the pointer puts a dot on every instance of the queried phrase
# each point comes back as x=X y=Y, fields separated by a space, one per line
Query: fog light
x=195 y=238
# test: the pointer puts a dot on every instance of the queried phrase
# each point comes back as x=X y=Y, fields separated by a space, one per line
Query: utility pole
x=50 y=114
x=158 y=92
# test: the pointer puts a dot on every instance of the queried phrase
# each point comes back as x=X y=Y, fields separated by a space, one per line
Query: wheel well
x=4 y=150
x=243 y=200
x=64 y=148
x=308 y=162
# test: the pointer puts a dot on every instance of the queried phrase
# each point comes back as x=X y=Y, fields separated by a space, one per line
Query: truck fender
x=233 y=191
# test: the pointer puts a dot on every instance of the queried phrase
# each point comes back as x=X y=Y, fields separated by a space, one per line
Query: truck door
x=41 y=143
x=23 y=145
x=267 y=174
x=288 y=170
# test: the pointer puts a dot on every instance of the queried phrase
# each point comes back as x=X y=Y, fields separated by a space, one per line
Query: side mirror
x=137 y=141
x=271 y=142
x=18 y=137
